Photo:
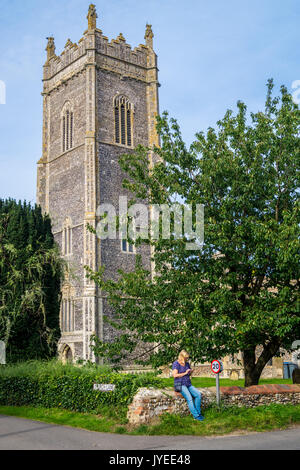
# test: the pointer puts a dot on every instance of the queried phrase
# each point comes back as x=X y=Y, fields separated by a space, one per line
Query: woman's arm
x=176 y=375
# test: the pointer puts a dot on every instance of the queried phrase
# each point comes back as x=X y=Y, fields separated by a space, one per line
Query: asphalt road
x=24 y=434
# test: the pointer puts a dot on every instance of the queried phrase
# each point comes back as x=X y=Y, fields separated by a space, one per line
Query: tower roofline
x=101 y=42
x=116 y=56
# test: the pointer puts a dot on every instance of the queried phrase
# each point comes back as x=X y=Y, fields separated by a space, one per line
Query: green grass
x=217 y=422
x=220 y=422
x=107 y=422
x=204 y=382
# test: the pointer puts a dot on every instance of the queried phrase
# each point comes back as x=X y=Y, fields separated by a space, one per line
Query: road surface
x=24 y=434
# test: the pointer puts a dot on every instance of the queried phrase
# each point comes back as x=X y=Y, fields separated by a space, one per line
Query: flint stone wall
x=150 y=403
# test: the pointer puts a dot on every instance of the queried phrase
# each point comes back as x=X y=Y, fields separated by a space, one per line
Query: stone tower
x=100 y=100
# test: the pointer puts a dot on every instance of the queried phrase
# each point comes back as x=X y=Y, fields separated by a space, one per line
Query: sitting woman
x=182 y=383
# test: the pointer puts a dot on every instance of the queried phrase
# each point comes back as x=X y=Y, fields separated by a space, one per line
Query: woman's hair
x=183 y=356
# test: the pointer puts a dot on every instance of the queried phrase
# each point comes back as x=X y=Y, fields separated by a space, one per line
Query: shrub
x=53 y=385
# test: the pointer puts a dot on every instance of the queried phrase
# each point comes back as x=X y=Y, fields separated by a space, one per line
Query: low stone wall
x=150 y=403
x=261 y=395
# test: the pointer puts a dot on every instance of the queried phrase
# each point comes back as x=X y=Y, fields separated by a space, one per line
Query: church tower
x=100 y=100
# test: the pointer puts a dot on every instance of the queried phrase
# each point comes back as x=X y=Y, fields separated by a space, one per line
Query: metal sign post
x=218 y=389
x=217 y=367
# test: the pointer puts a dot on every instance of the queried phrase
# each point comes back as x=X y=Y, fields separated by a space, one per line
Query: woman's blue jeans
x=189 y=393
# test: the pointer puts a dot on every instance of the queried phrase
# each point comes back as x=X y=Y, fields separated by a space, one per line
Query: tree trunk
x=253 y=368
x=251 y=375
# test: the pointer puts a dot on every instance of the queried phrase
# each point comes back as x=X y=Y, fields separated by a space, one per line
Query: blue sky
x=210 y=55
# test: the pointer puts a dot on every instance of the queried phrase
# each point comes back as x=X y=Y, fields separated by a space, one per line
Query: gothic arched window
x=67 y=128
x=123 y=111
x=67 y=314
x=67 y=237
x=67 y=308
x=127 y=247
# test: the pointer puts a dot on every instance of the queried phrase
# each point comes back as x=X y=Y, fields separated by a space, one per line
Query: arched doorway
x=67 y=355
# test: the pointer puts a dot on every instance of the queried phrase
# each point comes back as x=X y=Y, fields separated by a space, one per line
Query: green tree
x=30 y=276
x=241 y=290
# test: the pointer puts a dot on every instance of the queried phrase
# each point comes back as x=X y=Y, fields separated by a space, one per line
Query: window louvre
x=123 y=121
x=71 y=130
x=128 y=127
x=123 y=125
x=64 y=134
x=117 y=125
x=67 y=130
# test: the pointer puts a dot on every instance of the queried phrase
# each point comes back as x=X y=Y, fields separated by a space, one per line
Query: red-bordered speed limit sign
x=216 y=366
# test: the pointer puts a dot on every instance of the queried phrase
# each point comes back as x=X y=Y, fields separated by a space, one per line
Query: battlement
x=71 y=53
x=119 y=49
x=115 y=55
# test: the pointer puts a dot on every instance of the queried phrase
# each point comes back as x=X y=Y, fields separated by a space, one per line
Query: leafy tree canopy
x=241 y=289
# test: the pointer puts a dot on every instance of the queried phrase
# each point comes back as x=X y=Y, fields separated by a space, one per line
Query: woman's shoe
x=200 y=418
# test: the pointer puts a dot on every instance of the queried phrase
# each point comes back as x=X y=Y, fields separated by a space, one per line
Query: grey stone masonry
x=79 y=166
x=150 y=403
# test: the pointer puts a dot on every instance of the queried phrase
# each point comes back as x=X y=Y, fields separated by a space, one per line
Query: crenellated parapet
x=71 y=53
x=115 y=56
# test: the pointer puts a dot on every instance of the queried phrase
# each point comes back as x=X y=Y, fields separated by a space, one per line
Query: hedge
x=70 y=388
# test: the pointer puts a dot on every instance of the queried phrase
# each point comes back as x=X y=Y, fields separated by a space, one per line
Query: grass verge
x=203 y=382
x=107 y=422
x=224 y=421
x=217 y=422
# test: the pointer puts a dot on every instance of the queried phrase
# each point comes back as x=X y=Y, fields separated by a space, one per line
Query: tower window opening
x=71 y=130
x=68 y=315
x=67 y=130
x=123 y=121
x=67 y=237
x=64 y=134
x=123 y=125
x=128 y=127
x=127 y=247
x=117 y=125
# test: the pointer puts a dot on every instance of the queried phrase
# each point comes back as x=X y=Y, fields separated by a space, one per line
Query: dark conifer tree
x=30 y=276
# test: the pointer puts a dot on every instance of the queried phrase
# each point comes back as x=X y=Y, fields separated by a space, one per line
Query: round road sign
x=216 y=366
